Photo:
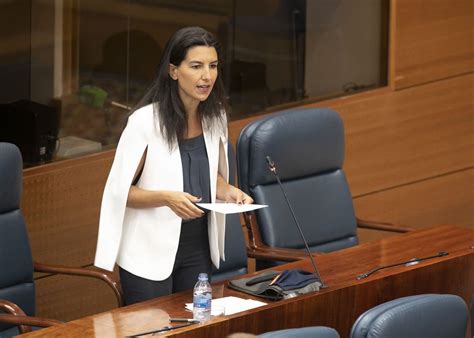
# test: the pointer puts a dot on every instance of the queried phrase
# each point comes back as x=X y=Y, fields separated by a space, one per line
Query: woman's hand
x=183 y=205
x=236 y=195
x=231 y=194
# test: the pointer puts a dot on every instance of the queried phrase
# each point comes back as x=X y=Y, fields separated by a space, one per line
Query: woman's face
x=196 y=75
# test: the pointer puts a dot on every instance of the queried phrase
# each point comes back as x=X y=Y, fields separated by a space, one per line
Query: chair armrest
x=364 y=224
x=259 y=250
x=15 y=315
x=11 y=308
x=102 y=275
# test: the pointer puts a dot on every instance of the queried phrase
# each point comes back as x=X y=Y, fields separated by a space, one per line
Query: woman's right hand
x=183 y=205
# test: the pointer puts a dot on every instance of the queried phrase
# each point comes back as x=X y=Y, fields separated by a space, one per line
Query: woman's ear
x=173 y=70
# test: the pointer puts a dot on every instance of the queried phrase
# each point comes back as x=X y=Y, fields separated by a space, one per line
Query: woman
x=171 y=155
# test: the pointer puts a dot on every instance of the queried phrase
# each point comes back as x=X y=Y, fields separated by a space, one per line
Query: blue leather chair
x=304 y=332
x=421 y=316
x=307 y=146
x=17 y=289
x=235 y=249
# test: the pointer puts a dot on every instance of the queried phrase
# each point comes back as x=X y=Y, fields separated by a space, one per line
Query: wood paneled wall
x=406 y=136
x=409 y=154
x=61 y=205
x=430 y=40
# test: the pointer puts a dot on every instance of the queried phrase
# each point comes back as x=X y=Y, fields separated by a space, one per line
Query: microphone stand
x=271 y=166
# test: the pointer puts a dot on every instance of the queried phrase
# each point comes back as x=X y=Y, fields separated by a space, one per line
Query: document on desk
x=230 y=208
x=231 y=305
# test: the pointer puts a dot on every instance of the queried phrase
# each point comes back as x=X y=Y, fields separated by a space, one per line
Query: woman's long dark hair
x=164 y=93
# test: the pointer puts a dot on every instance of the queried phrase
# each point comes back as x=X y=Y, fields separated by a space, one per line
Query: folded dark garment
x=275 y=285
x=295 y=279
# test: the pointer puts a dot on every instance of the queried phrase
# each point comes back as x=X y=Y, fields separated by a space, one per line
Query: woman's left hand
x=238 y=196
x=229 y=193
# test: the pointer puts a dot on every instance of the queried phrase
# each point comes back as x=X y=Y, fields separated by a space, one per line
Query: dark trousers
x=192 y=258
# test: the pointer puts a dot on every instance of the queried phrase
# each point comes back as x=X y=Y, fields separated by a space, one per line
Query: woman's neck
x=194 y=125
x=193 y=118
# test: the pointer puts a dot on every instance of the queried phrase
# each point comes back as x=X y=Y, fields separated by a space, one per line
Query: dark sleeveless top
x=195 y=164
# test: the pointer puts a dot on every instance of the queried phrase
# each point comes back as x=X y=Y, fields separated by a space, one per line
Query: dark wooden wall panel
x=431 y=40
x=409 y=135
x=61 y=207
x=69 y=297
x=447 y=199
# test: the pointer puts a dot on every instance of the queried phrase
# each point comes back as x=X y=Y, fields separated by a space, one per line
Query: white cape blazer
x=145 y=241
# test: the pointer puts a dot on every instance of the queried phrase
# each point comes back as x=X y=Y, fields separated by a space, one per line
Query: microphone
x=272 y=167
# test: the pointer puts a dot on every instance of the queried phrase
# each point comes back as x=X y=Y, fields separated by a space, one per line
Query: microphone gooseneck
x=272 y=168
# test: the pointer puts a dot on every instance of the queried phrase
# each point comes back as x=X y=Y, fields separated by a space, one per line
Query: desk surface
x=337 y=306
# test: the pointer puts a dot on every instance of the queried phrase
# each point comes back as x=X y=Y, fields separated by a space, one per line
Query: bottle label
x=202 y=302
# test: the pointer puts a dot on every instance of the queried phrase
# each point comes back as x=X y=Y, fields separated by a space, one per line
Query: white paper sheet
x=230 y=208
x=232 y=304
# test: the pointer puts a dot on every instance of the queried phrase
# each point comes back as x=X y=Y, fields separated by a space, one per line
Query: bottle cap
x=203 y=276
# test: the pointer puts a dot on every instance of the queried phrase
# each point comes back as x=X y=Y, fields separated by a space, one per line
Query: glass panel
x=293 y=50
x=267 y=54
x=71 y=69
x=346 y=46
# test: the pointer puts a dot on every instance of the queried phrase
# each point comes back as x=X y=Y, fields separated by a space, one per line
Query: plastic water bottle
x=202 y=297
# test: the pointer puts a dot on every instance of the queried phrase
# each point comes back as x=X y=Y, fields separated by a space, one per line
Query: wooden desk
x=338 y=306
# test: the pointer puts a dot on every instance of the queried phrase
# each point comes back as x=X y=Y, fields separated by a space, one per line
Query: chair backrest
x=16 y=264
x=421 y=316
x=307 y=146
x=235 y=249
x=304 y=332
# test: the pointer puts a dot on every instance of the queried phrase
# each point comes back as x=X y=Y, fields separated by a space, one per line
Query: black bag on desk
x=276 y=285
